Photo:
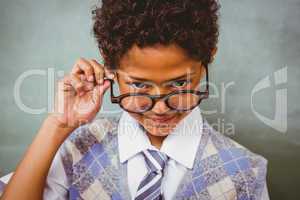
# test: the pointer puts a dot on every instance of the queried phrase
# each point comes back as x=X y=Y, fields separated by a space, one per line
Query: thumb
x=99 y=91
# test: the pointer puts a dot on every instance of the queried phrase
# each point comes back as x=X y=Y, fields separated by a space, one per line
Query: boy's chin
x=159 y=131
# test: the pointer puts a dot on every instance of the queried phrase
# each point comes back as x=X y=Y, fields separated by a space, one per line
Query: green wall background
x=257 y=38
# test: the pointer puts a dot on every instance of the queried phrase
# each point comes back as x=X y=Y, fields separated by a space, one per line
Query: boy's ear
x=111 y=74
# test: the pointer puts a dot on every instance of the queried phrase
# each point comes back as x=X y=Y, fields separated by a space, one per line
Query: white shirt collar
x=181 y=144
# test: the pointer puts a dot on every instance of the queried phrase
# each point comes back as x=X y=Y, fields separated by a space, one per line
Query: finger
x=77 y=84
x=76 y=69
x=64 y=85
x=98 y=70
x=98 y=93
x=84 y=85
x=104 y=87
x=82 y=77
x=88 y=86
x=88 y=69
x=109 y=74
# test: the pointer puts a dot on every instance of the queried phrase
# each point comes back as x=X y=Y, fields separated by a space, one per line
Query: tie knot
x=155 y=160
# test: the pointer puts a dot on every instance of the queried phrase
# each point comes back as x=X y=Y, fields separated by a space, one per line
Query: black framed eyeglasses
x=180 y=101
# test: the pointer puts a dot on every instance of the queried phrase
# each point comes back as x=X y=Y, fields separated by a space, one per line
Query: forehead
x=157 y=63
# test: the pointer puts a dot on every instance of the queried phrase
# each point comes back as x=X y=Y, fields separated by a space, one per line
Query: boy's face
x=158 y=70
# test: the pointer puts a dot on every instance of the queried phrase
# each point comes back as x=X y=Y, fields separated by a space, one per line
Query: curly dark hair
x=190 y=24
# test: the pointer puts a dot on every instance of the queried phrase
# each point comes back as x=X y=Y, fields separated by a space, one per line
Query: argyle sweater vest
x=222 y=168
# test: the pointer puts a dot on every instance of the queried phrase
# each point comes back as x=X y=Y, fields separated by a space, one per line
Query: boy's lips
x=162 y=119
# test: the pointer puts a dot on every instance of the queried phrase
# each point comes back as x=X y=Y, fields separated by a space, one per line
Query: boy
x=161 y=147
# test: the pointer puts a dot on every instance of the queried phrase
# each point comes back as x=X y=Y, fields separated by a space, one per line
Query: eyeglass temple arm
x=112 y=96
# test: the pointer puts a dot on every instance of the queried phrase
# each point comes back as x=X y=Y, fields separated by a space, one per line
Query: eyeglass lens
x=140 y=103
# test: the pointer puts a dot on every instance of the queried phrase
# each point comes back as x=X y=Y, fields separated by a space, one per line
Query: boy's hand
x=79 y=94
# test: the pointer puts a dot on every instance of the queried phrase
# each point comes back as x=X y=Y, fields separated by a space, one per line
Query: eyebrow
x=170 y=80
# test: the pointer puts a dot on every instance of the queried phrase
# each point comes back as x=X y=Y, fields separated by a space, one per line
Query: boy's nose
x=160 y=107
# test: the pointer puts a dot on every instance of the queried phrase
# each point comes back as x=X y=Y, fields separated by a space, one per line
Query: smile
x=163 y=119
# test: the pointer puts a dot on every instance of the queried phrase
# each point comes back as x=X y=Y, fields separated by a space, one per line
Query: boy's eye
x=179 y=84
x=138 y=85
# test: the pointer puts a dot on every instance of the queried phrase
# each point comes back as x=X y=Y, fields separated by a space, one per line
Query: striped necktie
x=150 y=187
